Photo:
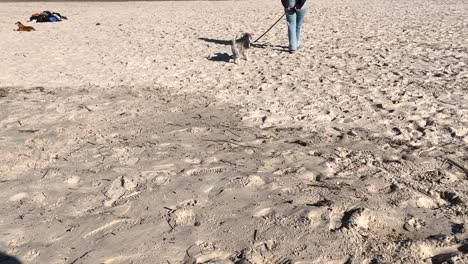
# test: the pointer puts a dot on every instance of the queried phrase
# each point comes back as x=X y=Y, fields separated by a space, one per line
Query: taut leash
x=270 y=27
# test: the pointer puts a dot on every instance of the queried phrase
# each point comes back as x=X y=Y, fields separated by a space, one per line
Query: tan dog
x=240 y=47
x=22 y=27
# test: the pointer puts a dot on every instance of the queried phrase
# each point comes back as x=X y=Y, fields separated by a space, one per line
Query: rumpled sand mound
x=135 y=141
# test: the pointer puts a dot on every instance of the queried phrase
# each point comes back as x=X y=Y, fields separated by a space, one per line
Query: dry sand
x=135 y=141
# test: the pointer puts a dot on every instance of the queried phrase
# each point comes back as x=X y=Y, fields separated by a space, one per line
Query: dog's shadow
x=220 y=57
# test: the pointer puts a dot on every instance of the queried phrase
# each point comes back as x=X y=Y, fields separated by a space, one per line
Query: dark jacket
x=299 y=3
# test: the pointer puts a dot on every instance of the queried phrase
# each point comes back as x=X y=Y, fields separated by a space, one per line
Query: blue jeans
x=295 y=20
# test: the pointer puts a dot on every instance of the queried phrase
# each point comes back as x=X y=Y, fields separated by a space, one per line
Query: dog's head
x=247 y=37
x=18 y=24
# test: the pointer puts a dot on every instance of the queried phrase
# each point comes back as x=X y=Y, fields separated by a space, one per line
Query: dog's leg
x=236 y=55
x=245 y=54
x=235 y=52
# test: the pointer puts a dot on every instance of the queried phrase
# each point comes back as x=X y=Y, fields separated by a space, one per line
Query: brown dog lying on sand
x=22 y=27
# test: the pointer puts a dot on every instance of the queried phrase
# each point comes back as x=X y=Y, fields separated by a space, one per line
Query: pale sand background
x=136 y=142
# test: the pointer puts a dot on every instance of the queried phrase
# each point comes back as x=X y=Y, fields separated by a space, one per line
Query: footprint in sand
x=413 y=224
x=118 y=189
x=360 y=218
x=204 y=171
x=216 y=257
x=30 y=255
x=265 y=212
x=19 y=197
x=449 y=254
x=357 y=218
x=311 y=176
x=192 y=160
x=255 y=181
x=73 y=181
x=32 y=198
x=422 y=201
x=199 y=130
x=315 y=215
x=161 y=180
x=261 y=252
x=127 y=156
x=168 y=168
x=184 y=217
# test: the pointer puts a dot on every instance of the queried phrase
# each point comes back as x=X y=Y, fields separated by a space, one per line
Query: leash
x=270 y=27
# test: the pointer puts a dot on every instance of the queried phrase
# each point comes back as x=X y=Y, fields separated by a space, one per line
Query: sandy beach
x=127 y=135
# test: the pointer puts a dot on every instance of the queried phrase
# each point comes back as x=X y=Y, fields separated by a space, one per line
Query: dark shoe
x=291 y=51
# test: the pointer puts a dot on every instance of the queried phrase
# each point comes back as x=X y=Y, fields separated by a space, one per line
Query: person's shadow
x=6 y=259
x=270 y=46
x=217 y=41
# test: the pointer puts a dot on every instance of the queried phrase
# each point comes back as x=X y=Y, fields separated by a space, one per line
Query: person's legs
x=291 y=18
x=299 y=21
